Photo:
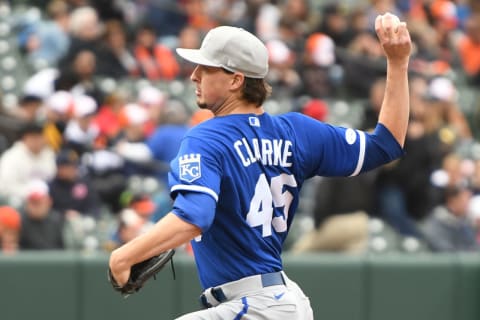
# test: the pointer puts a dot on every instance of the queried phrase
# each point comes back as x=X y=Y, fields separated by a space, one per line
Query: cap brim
x=195 y=56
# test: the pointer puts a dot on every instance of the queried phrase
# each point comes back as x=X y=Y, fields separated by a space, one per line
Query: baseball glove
x=141 y=272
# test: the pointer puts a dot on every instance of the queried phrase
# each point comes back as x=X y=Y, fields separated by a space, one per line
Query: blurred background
x=94 y=102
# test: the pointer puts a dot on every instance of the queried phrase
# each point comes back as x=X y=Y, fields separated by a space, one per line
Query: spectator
x=189 y=38
x=372 y=108
x=58 y=109
x=404 y=192
x=318 y=60
x=85 y=30
x=28 y=108
x=303 y=19
x=105 y=167
x=230 y=12
x=42 y=228
x=130 y=143
x=153 y=100
x=27 y=159
x=9 y=125
x=114 y=57
x=363 y=63
x=427 y=60
x=451 y=173
x=143 y=205
x=469 y=49
x=10 y=223
x=359 y=23
x=334 y=24
x=12 y=120
x=151 y=206
x=447 y=228
x=282 y=73
x=81 y=132
x=71 y=191
x=267 y=16
x=198 y=17
x=108 y=10
x=444 y=112
x=129 y=227
x=341 y=224
x=165 y=141
x=156 y=61
x=78 y=76
x=133 y=221
x=48 y=41
x=166 y=18
x=445 y=22
x=108 y=119
x=42 y=83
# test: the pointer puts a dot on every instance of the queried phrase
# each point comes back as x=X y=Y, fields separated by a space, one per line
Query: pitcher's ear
x=238 y=80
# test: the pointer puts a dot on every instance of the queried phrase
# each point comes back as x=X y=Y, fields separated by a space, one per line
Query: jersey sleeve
x=196 y=208
x=328 y=150
x=196 y=168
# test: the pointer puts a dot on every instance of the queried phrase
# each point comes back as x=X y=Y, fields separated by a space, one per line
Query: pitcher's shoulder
x=296 y=119
x=293 y=116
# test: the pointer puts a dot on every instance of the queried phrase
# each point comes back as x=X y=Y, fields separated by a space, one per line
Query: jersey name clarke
x=268 y=152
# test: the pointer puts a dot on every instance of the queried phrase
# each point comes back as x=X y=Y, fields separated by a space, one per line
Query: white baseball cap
x=443 y=89
x=135 y=114
x=151 y=96
x=60 y=101
x=36 y=189
x=84 y=106
x=231 y=48
x=321 y=49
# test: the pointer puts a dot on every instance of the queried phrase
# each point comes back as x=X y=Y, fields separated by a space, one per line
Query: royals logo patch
x=189 y=167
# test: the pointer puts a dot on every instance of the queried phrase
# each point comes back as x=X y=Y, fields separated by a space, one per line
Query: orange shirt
x=159 y=65
x=108 y=121
x=470 y=56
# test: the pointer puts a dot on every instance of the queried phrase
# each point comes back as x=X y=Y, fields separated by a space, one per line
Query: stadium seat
x=8 y=83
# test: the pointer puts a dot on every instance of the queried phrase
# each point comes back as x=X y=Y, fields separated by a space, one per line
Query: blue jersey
x=253 y=167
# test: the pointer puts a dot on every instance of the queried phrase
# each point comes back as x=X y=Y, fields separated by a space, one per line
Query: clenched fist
x=394 y=38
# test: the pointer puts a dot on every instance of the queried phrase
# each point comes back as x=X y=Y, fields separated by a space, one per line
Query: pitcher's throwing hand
x=394 y=37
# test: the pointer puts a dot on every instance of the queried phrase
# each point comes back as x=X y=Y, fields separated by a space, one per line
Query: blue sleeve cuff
x=382 y=148
x=195 y=208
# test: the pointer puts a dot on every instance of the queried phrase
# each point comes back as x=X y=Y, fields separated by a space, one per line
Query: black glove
x=141 y=272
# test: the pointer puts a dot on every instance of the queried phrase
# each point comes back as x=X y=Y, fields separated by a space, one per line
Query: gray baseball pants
x=261 y=297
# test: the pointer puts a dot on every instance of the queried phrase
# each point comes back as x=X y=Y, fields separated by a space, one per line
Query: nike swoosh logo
x=278 y=296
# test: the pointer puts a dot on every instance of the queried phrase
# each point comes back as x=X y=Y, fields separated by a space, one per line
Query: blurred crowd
x=95 y=102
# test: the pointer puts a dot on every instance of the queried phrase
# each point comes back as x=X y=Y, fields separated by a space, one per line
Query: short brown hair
x=254 y=90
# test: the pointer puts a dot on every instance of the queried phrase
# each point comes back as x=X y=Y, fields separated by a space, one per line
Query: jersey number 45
x=266 y=198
